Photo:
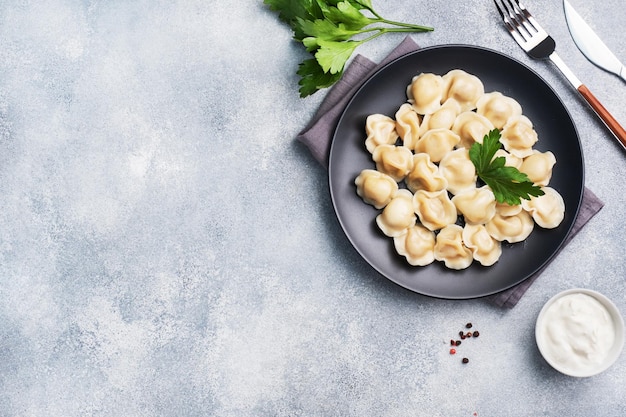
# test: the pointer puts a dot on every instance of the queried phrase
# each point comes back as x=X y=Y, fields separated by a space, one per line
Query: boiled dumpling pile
x=425 y=185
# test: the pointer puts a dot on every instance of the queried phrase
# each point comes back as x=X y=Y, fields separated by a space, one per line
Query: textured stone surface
x=168 y=249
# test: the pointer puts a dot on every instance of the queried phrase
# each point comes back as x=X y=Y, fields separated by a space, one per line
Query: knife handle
x=604 y=114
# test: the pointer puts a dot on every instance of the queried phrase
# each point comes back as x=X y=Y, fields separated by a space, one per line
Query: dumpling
x=437 y=143
x=485 y=249
x=465 y=88
x=398 y=215
x=547 y=210
x=510 y=160
x=471 y=127
x=434 y=209
x=538 y=167
x=449 y=248
x=375 y=188
x=380 y=130
x=417 y=245
x=424 y=175
x=408 y=125
x=442 y=118
x=513 y=229
x=425 y=92
x=458 y=170
x=395 y=161
x=518 y=136
x=477 y=205
x=498 y=108
x=505 y=209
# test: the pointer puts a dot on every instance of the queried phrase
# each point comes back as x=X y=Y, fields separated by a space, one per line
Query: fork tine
x=512 y=24
x=529 y=17
x=518 y=19
x=504 y=14
x=523 y=16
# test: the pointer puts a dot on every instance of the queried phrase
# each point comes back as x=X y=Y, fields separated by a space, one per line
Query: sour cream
x=576 y=333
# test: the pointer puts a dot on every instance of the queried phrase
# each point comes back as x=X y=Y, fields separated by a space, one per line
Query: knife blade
x=590 y=43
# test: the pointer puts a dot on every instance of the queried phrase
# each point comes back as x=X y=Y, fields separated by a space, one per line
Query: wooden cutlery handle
x=604 y=114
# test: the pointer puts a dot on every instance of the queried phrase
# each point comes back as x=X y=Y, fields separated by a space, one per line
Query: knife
x=590 y=44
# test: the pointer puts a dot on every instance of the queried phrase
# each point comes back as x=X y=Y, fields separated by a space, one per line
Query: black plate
x=383 y=93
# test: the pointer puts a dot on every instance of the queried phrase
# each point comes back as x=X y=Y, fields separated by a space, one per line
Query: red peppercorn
x=469 y=334
x=452 y=351
x=452 y=342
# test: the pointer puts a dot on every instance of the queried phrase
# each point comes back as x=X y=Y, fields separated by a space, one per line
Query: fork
x=538 y=44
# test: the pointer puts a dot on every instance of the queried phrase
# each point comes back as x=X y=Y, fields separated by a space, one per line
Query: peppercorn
x=452 y=351
x=476 y=334
x=468 y=325
x=458 y=342
x=465 y=360
x=469 y=334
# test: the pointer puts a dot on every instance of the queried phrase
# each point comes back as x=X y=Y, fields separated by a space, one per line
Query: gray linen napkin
x=318 y=134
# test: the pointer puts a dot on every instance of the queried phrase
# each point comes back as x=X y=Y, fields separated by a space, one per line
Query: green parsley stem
x=381 y=31
x=418 y=28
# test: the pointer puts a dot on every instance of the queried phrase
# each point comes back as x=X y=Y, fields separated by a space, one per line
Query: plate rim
x=364 y=83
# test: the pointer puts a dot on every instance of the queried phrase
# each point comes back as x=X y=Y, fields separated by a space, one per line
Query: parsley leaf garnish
x=508 y=184
x=314 y=78
x=331 y=30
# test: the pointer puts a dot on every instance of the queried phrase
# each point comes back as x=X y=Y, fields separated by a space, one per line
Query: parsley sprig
x=508 y=184
x=331 y=30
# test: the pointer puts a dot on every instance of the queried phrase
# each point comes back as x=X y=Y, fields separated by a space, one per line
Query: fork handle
x=604 y=114
x=610 y=122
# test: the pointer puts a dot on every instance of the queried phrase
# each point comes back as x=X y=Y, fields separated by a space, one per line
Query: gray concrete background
x=168 y=249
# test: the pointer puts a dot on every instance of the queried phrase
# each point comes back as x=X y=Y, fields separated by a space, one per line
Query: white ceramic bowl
x=550 y=352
